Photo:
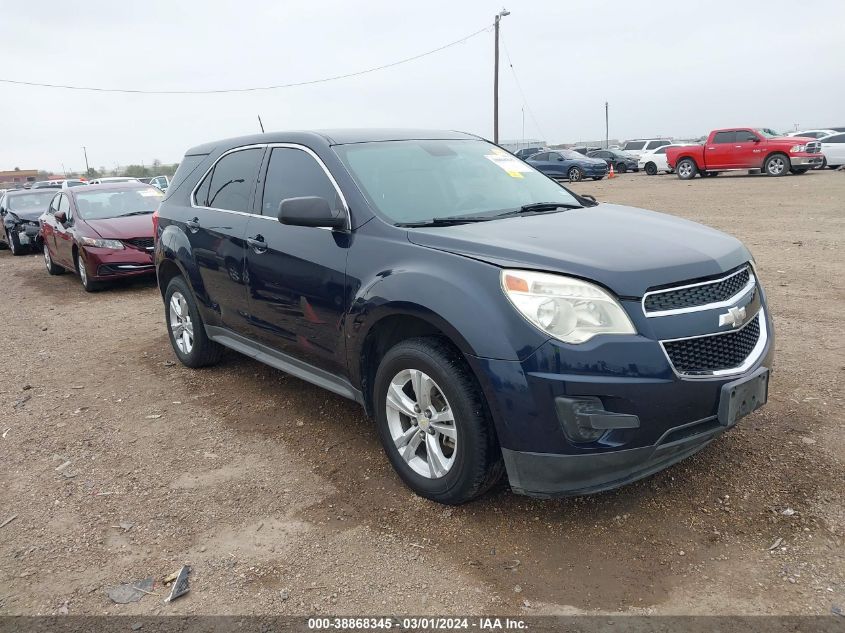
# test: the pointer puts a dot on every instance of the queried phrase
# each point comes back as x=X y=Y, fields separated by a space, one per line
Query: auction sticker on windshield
x=512 y=166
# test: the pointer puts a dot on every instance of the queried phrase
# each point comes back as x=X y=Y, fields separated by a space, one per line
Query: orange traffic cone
x=610 y=174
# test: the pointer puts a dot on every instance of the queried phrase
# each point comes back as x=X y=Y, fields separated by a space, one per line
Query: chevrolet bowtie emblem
x=733 y=317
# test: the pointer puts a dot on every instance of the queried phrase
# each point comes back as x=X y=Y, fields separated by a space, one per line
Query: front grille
x=814 y=148
x=696 y=295
x=144 y=243
x=716 y=352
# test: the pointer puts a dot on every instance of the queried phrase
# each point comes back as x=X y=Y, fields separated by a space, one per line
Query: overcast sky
x=667 y=68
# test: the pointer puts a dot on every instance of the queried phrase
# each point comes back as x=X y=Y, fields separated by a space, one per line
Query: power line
x=252 y=89
x=521 y=91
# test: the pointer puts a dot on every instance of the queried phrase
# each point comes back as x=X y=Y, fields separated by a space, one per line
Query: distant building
x=515 y=146
x=18 y=176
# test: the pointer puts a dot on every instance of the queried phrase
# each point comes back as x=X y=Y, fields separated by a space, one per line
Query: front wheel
x=89 y=284
x=776 y=165
x=52 y=267
x=651 y=169
x=185 y=327
x=621 y=168
x=14 y=243
x=575 y=174
x=686 y=169
x=434 y=423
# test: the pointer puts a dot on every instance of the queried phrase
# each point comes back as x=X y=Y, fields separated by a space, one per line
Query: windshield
x=418 y=181
x=570 y=155
x=767 y=132
x=30 y=201
x=99 y=205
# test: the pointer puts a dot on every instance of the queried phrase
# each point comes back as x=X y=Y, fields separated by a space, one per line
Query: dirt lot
x=278 y=494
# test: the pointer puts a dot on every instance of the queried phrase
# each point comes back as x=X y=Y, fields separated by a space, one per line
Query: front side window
x=540 y=156
x=54 y=204
x=293 y=173
x=744 y=136
x=421 y=180
x=635 y=145
x=724 y=137
x=64 y=205
x=231 y=181
x=99 y=205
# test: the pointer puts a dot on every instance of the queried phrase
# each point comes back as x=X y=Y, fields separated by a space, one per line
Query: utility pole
x=606 y=127
x=87 y=168
x=499 y=16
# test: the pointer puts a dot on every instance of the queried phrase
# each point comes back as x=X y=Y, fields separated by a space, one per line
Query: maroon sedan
x=102 y=232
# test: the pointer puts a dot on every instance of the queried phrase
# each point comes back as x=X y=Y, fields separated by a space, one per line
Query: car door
x=297 y=275
x=719 y=154
x=64 y=233
x=833 y=148
x=221 y=206
x=48 y=224
x=749 y=150
x=557 y=165
x=540 y=162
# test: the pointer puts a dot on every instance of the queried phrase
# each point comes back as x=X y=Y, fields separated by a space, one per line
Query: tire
x=709 y=174
x=651 y=169
x=460 y=471
x=89 y=284
x=14 y=243
x=798 y=171
x=824 y=163
x=776 y=165
x=686 y=169
x=52 y=267
x=194 y=349
x=575 y=174
x=621 y=168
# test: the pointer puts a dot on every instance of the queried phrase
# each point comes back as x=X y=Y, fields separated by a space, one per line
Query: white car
x=102 y=181
x=654 y=162
x=813 y=133
x=833 y=148
x=640 y=146
x=73 y=182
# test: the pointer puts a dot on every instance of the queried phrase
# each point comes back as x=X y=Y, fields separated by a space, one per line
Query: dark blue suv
x=487 y=318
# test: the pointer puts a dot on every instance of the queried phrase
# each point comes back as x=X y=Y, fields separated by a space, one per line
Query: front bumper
x=675 y=416
x=104 y=263
x=28 y=233
x=806 y=160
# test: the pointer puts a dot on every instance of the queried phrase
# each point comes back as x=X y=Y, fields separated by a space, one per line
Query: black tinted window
x=231 y=182
x=724 y=137
x=635 y=145
x=293 y=173
x=744 y=136
x=839 y=138
x=540 y=156
x=656 y=144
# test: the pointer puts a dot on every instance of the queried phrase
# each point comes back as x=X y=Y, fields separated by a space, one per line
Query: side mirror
x=755 y=140
x=60 y=216
x=312 y=211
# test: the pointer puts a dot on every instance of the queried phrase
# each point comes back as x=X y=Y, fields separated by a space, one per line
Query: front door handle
x=193 y=225
x=257 y=243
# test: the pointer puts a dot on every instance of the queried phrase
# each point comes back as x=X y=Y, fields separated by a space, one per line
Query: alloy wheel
x=685 y=169
x=181 y=325
x=776 y=166
x=83 y=274
x=421 y=423
x=47 y=259
x=575 y=174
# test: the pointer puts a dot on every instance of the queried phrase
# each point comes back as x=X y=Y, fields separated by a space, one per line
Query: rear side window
x=656 y=144
x=724 y=137
x=635 y=145
x=293 y=173
x=231 y=181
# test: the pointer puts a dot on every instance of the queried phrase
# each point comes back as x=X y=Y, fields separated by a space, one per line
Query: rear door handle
x=193 y=225
x=257 y=243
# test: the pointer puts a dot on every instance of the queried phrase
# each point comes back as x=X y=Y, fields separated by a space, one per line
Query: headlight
x=100 y=243
x=566 y=308
x=797 y=148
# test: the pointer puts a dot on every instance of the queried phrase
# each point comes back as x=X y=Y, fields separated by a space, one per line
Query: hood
x=123 y=228
x=625 y=249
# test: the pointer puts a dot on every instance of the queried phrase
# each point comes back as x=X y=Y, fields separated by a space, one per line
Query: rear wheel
x=433 y=422
x=52 y=267
x=186 y=329
x=575 y=174
x=651 y=169
x=686 y=169
x=776 y=165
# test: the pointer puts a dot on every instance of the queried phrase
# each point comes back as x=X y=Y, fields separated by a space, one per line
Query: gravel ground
x=278 y=495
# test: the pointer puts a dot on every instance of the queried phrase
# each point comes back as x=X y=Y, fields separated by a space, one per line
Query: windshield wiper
x=546 y=206
x=123 y=215
x=447 y=221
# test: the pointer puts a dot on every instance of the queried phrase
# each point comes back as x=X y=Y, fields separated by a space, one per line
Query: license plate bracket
x=741 y=397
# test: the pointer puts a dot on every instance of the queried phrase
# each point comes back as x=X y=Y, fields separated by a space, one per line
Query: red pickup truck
x=745 y=148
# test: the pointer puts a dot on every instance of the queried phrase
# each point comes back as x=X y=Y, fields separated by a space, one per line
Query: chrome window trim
x=752 y=282
x=754 y=355
x=298 y=146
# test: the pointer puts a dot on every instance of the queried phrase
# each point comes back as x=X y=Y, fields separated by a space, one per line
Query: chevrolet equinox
x=486 y=317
